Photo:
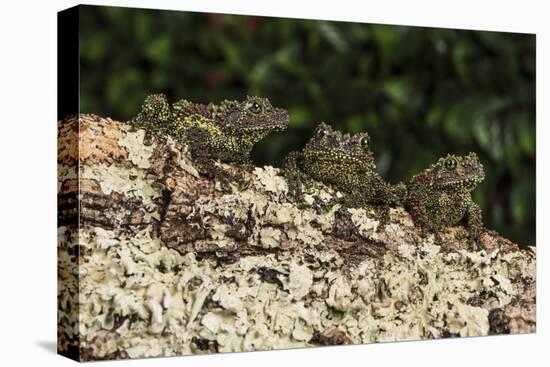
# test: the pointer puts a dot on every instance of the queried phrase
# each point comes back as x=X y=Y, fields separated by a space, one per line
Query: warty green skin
x=346 y=163
x=226 y=132
x=440 y=196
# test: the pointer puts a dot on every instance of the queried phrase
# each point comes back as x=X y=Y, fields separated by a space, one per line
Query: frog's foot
x=295 y=192
x=243 y=183
x=294 y=177
x=438 y=240
x=148 y=138
x=343 y=226
x=474 y=240
x=228 y=180
x=381 y=213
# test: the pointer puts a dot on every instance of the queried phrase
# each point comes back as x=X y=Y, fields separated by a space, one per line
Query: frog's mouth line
x=270 y=127
x=278 y=123
x=339 y=158
x=468 y=183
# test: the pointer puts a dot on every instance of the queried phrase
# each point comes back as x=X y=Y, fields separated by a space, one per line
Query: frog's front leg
x=385 y=193
x=244 y=164
x=294 y=176
x=153 y=118
x=423 y=217
x=201 y=154
x=474 y=221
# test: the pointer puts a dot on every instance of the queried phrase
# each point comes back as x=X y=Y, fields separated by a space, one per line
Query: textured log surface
x=168 y=262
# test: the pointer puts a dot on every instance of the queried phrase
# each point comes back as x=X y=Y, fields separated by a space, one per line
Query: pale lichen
x=295 y=287
x=138 y=154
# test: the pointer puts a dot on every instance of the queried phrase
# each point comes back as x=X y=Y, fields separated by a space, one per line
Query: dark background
x=420 y=92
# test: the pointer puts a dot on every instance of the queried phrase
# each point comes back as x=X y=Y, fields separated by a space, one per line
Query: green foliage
x=420 y=92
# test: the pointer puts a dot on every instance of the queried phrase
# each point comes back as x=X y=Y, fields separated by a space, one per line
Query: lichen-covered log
x=162 y=261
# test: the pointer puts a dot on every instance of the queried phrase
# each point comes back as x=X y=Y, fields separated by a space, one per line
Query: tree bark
x=156 y=260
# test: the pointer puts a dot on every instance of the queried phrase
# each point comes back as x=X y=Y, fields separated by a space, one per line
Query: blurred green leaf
x=526 y=134
x=299 y=116
x=159 y=50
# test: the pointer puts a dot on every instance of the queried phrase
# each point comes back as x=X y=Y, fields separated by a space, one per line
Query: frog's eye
x=364 y=142
x=255 y=107
x=322 y=133
x=450 y=163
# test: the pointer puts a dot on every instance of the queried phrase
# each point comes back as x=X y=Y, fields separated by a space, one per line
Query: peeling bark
x=156 y=260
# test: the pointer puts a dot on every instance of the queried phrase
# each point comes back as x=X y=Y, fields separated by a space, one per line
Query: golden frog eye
x=255 y=107
x=364 y=142
x=450 y=163
x=322 y=133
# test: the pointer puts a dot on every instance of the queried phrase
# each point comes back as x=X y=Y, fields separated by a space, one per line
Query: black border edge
x=68 y=62
x=68 y=70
